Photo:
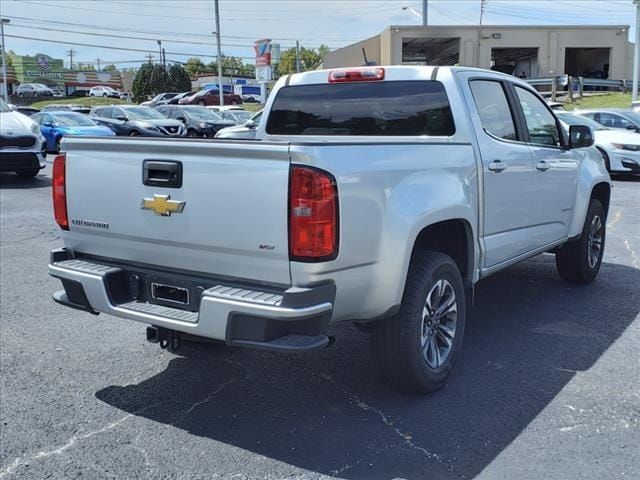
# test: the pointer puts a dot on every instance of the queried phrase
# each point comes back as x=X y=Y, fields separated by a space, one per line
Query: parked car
x=225 y=108
x=620 y=149
x=136 y=120
x=238 y=117
x=33 y=90
x=248 y=98
x=175 y=100
x=55 y=125
x=613 y=118
x=558 y=106
x=25 y=110
x=58 y=93
x=246 y=131
x=210 y=97
x=73 y=107
x=125 y=96
x=199 y=121
x=79 y=93
x=380 y=195
x=101 y=91
x=159 y=99
x=22 y=146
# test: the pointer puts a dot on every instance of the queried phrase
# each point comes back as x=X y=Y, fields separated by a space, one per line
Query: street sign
x=263 y=74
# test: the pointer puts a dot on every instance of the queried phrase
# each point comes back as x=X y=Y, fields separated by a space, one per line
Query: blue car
x=55 y=125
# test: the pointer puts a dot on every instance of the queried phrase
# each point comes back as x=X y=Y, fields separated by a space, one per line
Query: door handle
x=543 y=166
x=497 y=166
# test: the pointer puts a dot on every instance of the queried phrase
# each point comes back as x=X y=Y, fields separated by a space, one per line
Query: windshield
x=4 y=108
x=202 y=114
x=144 y=113
x=238 y=116
x=633 y=116
x=72 y=120
x=571 y=119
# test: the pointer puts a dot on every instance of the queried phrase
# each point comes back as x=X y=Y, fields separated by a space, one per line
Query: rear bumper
x=290 y=319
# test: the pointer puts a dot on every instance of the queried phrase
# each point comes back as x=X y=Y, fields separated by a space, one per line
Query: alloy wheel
x=439 y=318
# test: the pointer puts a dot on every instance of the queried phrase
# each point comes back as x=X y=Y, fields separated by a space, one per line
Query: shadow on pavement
x=328 y=412
x=11 y=180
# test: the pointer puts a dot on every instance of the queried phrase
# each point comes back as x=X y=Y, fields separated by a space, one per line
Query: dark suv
x=136 y=120
x=199 y=121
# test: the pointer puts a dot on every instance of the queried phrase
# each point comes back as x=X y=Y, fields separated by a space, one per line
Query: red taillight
x=60 y=192
x=356 y=75
x=313 y=215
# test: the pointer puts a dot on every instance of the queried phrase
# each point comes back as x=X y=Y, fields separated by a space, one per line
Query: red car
x=210 y=97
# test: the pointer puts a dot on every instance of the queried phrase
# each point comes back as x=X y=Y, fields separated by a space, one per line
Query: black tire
x=201 y=103
x=577 y=261
x=29 y=173
x=134 y=133
x=104 y=95
x=192 y=134
x=58 y=141
x=234 y=102
x=398 y=343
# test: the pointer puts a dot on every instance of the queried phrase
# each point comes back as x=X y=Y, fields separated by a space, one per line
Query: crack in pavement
x=407 y=438
x=634 y=257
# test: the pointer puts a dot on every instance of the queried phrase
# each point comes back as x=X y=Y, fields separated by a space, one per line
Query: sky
x=185 y=26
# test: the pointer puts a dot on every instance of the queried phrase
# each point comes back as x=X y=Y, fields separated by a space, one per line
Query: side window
x=493 y=108
x=541 y=124
x=621 y=122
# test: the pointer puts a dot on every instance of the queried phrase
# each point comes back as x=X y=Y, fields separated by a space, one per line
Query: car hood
x=88 y=130
x=616 y=136
x=15 y=123
x=219 y=123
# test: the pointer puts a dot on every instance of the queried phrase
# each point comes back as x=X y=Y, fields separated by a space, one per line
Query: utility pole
x=482 y=5
x=217 y=32
x=164 y=58
x=71 y=53
x=297 y=56
x=425 y=13
x=160 y=50
x=150 y=58
x=5 y=89
x=636 y=54
x=98 y=60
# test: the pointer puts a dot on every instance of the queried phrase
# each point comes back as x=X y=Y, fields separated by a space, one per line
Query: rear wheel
x=134 y=133
x=579 y=261
x=234 y=102
x=104 y=95
x=192 y=134
x=417 y=348
x=201 y=103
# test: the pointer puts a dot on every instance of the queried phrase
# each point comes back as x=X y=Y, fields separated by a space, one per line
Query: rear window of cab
x=388 y=108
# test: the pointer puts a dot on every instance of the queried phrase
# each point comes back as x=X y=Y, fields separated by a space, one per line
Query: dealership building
x=50 y=71
x=524 y=51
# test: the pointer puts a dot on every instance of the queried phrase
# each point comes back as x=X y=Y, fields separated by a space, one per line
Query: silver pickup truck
x=378 y=195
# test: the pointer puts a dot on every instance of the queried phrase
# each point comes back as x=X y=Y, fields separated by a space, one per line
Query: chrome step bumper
x=230 y=313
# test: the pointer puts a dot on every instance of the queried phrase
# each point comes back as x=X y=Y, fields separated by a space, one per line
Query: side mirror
x=122 y=118
x=181 y=119
x=250 y=124
x=580 y=136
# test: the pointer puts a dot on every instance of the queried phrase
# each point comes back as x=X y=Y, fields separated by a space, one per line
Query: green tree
x=142 y=83
x=194 y=66
x=179 y=79
x=309 y=60
x=159 y=79
x=110 y=68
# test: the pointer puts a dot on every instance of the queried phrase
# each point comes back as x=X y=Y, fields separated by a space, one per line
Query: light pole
x=159 y=42
x=4 y=61
x=217 y=33
x=422 y=15
x=636 y=54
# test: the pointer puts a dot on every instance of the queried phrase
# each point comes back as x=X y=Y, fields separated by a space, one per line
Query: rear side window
x=363 y=109
x=493 y=109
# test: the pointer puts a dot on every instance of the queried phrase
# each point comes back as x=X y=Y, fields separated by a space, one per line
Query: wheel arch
x=602 y=192
x=452 y=237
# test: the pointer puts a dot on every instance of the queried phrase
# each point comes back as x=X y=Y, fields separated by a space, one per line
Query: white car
x=619 y=148
x=246 y=131
x=101 y=91
x=22 y=146
x=225 y=108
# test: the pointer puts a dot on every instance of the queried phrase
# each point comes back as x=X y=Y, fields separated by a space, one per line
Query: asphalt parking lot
x=548 y=385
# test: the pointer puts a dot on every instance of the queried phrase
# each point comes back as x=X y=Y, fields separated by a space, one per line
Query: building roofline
x=520 y=27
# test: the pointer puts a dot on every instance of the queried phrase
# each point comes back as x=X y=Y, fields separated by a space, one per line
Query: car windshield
x=4 y=108
x=202 y=114
x=73 y=120
x=633 y=116
x=237 y=116
x=571 y=119
x=144 y=113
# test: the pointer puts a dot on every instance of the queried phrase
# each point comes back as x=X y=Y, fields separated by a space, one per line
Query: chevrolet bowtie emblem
x=162 y=205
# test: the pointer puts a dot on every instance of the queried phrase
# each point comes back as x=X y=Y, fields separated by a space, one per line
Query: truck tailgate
x=233 y=221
